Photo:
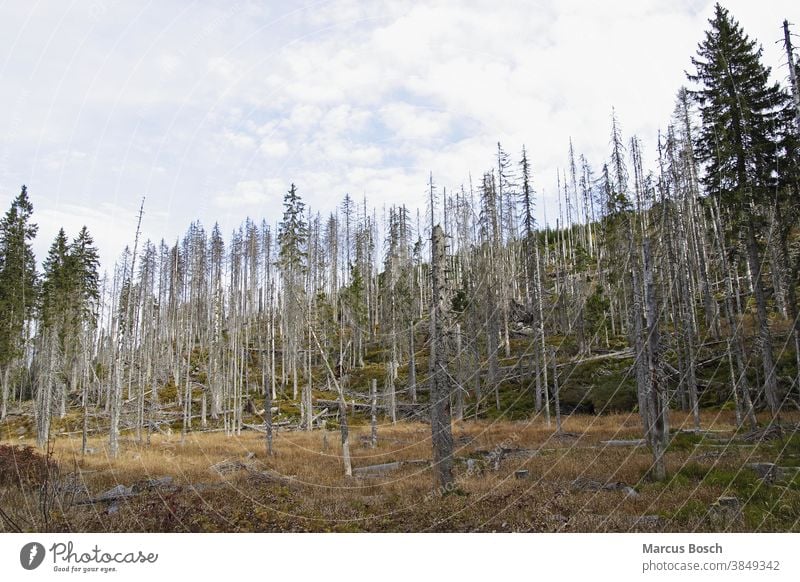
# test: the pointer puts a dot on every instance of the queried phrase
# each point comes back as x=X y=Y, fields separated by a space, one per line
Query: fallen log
x=624 y=443
x=384 y=468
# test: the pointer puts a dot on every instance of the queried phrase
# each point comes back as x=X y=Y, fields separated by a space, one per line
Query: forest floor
x=509 y=476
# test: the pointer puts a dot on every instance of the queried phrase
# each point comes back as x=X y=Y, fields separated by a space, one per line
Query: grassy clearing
x=317 y=497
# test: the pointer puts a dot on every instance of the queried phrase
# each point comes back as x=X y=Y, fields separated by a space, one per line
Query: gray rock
x=767 y=472
x=228 y=466
x=118 y=492
x=584 y=484
x=725 y=512
x=521 y=474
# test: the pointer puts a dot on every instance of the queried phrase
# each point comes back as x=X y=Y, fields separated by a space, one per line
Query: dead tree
x=441 y=430
x=373 y=398
x=657 y=400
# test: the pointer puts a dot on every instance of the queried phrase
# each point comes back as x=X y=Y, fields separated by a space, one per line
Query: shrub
x=23 y=466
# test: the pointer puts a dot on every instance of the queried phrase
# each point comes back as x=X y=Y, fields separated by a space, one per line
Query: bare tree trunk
x=4 y=379
x=390 y=395
x=540 y=333
x=795 y=89
x=441 y=430
x=412 y=365
x=770 y=386
x=85 y=397
x=309 y=411
x=459 y=392
x=658 y=432
x=348 y=468
x=731 y=311
x=45 y=393
x=268 y=418
x=373 y=397
x=555 y=391
x=735 y=390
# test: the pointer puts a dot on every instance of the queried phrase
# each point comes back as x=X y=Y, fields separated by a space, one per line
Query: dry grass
x=318 y=497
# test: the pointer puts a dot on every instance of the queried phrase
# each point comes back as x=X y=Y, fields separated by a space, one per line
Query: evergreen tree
x=84 y=261
x=18 y=285
x=741 y=112
x=57 y=284
x=293 y=233
x=739 y=143
x=526 y=196
x=292 y=239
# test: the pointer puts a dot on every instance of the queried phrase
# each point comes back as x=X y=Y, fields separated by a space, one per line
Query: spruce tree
x=57 y=284
x=18 y=286
x=741 y=112
x=84 y=262
x=740 y=145
x=292 y=239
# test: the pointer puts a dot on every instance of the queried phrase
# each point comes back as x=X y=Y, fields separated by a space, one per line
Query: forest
x=630 y=364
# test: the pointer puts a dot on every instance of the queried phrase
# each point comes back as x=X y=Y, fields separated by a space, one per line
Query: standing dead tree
x=441 y=430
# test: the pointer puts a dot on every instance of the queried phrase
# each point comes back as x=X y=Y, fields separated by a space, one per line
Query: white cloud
x=274 y=148
x=213 y=109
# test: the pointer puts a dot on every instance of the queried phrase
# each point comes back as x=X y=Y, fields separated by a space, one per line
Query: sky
x=211 y=109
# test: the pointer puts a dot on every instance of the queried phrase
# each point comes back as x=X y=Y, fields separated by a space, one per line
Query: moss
x=168 y=392
x=685 y=441
x=764 y=506
x=517 y=402
x=600 y=386
x=360 y=378
x=784 y=452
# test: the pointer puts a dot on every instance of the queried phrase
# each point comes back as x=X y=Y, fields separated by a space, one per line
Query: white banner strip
x=382 y=557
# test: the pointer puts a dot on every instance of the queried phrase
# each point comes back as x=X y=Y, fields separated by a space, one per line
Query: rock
x=21 y=431
x=648 y=521
x=767 y=472
x=583 y=484
x=521 y=474
x=250 y=455
x=725 y=512
x=73 y=484
x=118 y=492
x=228 y=466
